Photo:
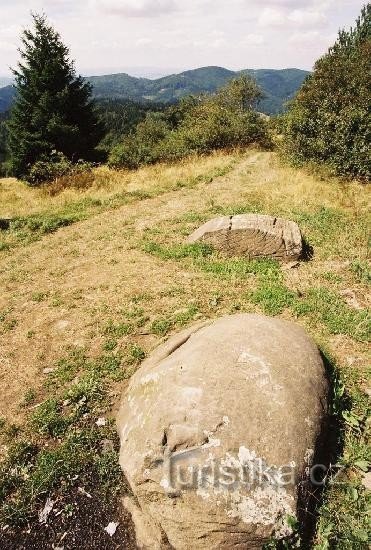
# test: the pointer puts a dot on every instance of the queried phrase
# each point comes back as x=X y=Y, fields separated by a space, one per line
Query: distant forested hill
x=7 y=94
x=278 y=86
x=5 y=81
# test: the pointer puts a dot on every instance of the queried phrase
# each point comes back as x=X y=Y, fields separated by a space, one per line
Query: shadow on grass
x=329 y=449
x=307 y=252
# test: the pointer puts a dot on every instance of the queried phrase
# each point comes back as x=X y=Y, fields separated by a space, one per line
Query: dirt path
x=55 y=292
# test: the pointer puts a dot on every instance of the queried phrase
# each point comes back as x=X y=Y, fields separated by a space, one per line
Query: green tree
x=53 y=109
x=329 y=120
x=197 y=125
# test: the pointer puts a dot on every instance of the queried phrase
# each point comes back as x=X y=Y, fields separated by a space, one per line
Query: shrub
x=140 y=148
x=54 y=166
x=196 y=125
x=329 y=119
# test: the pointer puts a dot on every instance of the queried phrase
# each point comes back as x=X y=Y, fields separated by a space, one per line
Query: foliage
x=196 y=125
x=119 y=118
x=329 y=120
x=53 y=110
x=56 y=165
x=3 y=141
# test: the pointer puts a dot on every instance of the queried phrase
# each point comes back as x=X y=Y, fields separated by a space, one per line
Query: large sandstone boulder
x=252 y=235
x=218 y=432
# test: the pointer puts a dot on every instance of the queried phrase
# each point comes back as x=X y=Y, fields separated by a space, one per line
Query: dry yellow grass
x=18 y=199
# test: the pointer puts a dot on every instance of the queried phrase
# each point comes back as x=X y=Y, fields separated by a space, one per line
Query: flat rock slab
x=219 y=429
x=252 y=235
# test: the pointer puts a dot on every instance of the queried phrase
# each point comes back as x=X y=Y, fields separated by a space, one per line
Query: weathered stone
x=252 y=235
x=243 y=396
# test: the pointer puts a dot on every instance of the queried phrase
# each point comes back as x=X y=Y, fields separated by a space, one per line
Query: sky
x=155 y=37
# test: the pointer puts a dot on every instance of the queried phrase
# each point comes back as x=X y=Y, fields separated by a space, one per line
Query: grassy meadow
x=95 y=275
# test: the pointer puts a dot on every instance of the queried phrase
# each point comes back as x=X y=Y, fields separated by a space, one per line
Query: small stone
x=44 y=513
x=61 y=325
x=101 y=422
x=111 y=528
x=48 y=370
x=83 y=492
x=350 y=298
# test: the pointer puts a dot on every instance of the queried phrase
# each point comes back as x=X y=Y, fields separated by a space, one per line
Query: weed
x=39 y=296
x=29 y=398
x=110 y=345
x=48 y=419
x=362 y=271
x=135 y=354
x=161 y=326
x=327 y=307
x=273 y=299
x=178 y=252
x=117 y=330
x=241 y=268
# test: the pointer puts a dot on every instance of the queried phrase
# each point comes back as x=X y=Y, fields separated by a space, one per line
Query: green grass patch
x=118 y=330
x=179 y=251
x=163 y=325
x=272 y=298
x=325 y=306
x=344 y=513
x=362 y=271
x=241 y=267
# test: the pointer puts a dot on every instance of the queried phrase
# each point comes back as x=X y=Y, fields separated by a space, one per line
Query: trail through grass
x=93 y=279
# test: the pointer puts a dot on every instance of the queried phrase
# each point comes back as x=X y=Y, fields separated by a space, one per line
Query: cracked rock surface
x=252 y=235
x=218 y=430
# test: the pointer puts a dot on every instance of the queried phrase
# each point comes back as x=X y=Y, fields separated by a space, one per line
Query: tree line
x=55 y=127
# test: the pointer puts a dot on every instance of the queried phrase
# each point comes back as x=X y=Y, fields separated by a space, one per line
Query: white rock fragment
x=111 y=528
x=83 y=492
x=44 y=513
x=101 y=422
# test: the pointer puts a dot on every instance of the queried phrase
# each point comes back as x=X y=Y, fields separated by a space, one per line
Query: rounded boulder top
x=219 y=428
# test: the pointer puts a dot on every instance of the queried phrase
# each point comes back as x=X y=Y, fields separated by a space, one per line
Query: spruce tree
x=53 y=109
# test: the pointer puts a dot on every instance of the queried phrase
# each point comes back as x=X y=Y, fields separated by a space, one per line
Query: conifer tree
x=53 y=109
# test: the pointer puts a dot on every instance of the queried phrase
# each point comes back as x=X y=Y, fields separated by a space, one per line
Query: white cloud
x=137 y=8
x=307 y=18
x=252 y=40
x=144 y=41
x=110 y=35
x=304 y=38
x=271 y=17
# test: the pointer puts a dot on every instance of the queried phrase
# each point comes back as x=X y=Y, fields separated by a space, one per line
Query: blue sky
x=151 y=37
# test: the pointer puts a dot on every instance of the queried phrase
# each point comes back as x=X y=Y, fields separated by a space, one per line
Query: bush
x=51 y=168
x=329 y=119
x=196 y=125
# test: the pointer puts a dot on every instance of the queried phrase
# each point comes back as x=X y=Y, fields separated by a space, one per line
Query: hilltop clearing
x=93 y=278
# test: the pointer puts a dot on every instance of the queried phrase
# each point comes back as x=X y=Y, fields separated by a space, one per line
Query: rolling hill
x=278 y=85
x=7 y=94
x=5 y=81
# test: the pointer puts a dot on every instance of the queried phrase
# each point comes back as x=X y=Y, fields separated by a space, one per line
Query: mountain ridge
x=279 y=86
